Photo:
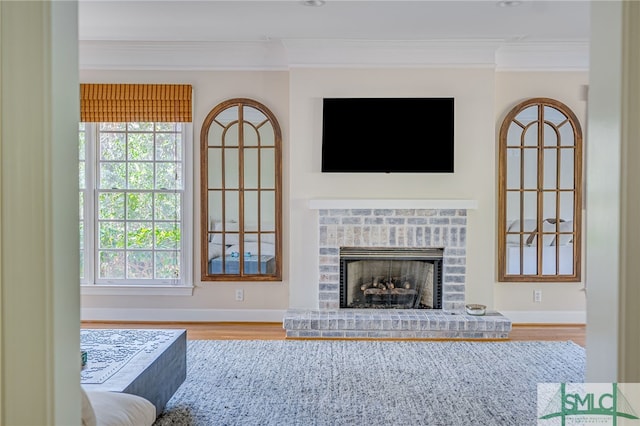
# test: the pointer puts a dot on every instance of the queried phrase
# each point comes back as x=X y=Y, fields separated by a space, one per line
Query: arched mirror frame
x=239 y=232
x=552 y=227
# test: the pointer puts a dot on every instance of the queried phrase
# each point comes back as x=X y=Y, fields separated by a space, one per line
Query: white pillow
x=528 y=226
x=88 y=416
x=264 y=238
x=232 y=238
x=548 y=233
x=548 y=239
x=514 y=239
x=268 y=238
x=215 y=250
x=548 y=230
x=121 y=409
x=229 y=227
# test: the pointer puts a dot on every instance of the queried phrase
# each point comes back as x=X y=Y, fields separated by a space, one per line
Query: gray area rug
x=338 y=382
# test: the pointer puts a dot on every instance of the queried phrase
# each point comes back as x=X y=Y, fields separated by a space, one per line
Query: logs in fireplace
x=399 y=278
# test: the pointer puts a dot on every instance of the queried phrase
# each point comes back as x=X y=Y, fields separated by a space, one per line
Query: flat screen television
x=387 y=135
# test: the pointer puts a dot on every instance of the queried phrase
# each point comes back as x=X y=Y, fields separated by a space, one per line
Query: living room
x=485 y=87
x=483 y=96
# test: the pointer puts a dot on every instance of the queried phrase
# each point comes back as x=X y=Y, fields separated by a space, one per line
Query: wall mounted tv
x=387 y=135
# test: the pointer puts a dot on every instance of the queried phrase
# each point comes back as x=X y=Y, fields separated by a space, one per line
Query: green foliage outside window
x=139 y=183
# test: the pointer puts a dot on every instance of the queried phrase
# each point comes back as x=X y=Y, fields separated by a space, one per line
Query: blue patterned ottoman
x=151 y=363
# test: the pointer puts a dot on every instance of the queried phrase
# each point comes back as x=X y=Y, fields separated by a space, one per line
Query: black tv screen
x=387 y=135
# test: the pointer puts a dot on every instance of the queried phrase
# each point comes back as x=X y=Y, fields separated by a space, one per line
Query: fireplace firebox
x=395 y=278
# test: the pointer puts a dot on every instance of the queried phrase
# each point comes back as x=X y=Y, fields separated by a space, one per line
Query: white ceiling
x=281 y=34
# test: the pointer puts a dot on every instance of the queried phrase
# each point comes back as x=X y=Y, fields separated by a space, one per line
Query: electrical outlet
x=537 y=296
x=239 y=294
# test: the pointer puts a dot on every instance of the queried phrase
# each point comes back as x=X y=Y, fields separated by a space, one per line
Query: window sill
x=135 y=290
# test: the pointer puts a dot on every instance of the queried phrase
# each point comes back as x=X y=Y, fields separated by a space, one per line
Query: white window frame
x=90 y=284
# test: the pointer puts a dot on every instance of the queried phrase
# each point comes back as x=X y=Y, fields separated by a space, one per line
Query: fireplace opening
x=395 y=278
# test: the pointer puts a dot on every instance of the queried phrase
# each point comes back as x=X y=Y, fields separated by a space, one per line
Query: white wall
x=474 y=177
x=482 y=98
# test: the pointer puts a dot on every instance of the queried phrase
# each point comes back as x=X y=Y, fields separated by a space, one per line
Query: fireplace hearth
x=391 y=278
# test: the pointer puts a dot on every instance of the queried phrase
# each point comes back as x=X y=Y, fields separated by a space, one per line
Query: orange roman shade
x=135 y=102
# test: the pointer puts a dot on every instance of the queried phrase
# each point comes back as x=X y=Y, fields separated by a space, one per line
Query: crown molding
x=287 y=54
x=384 y=53
x=559 y=56
x=154 y=55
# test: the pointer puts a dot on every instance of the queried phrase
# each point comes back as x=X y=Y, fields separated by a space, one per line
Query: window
x=540 y=193
x=134 y=193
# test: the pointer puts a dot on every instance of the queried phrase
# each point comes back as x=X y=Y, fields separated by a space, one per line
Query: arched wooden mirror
x=540 y=193
x=241 y=175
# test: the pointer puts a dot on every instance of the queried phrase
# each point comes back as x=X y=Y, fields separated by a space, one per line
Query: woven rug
x=338 y=382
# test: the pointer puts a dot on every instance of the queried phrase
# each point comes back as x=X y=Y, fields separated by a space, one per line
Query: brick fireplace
x=428 y=224
x=426 y=228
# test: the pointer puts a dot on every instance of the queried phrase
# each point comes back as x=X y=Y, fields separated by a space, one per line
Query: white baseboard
x=546 y=317
x=276 y=315
x=179 y=315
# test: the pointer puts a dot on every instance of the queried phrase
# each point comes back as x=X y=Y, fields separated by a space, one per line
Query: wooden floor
x=274 y=331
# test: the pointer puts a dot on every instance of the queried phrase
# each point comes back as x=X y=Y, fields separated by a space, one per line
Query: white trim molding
x=181 y=56
x=395 y=53
x=319 y=204
x=297 y=53
x=185 y=315
x=567 y=56
x=546 y=317
x=277 y=315
x=135 y=290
